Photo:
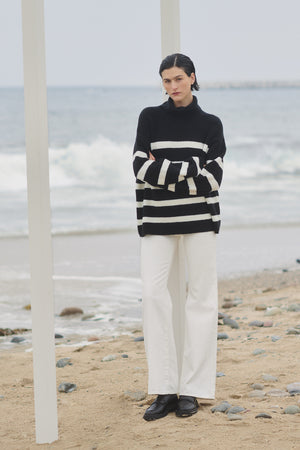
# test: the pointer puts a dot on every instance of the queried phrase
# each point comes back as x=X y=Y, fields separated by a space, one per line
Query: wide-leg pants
x=195 y=374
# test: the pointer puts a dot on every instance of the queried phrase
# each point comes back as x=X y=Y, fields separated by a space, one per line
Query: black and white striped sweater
x=178 y=192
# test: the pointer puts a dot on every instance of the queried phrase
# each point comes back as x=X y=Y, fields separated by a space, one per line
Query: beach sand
x=100 y=415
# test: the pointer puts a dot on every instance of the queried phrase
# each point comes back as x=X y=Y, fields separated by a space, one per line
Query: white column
x=170 y=43
x=39 y=220
x=170 y=27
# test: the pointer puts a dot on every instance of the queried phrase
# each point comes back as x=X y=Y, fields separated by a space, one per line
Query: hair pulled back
x=183 y=62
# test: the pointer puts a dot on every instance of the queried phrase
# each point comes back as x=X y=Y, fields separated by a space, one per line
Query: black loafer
x=161 y=406
x=187 y=406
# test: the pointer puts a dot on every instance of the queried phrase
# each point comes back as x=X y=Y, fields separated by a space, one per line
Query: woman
x=178 y=161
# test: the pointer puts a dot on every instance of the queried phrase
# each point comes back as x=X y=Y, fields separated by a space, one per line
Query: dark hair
x=183 y=62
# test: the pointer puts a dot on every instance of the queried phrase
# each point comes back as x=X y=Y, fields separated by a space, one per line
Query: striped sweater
x=178 y=192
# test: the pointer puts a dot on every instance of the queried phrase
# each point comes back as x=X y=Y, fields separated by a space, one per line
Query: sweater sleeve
x=209 y=177
x=159 y=172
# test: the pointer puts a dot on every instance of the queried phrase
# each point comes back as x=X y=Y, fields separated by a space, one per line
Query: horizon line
x=203 y=85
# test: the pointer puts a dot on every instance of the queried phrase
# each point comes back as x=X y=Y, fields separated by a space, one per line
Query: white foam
x=106 y=164
x=102 y=163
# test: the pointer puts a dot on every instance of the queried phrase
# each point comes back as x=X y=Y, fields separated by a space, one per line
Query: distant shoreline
x=255 y=84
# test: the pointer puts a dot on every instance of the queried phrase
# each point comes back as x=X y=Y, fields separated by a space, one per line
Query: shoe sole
x=186 y=414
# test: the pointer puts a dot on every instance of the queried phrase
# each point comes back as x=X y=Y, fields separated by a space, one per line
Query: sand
x=99 y=415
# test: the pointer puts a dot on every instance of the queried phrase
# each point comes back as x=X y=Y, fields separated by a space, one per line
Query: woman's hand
x=151 y=157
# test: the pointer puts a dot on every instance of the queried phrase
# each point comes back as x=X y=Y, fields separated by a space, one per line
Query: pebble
x=258 y=351
x=235 y=410
x=257 y=386
x=222 y=407
x=234 y=417
x=27 y=307
x=2 y=397
x=268 y=323
x=293 y=331
x=124 y=355
x=71 y=311
x=17 y=339
x=139 y=339
x=293 y=388
x=67 y=387
x=267 y=377
x=256 y=323
x=109 y=358
x=263 y=416
x=292 y=409
x=58 y=336
x=275 y=338
x=135 y=395
x=63 y=362
x=230 y=322
x=294 y=308
x=273 y=311
x=228 y=305
x=220 y=374
x=221 y=315
x=260 y=307
x=223 y=336
x=277 y=393
x=257 y=393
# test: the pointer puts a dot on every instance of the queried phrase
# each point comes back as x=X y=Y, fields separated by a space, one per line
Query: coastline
x=99 y=273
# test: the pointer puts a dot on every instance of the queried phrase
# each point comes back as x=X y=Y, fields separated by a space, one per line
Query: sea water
x=91 y=136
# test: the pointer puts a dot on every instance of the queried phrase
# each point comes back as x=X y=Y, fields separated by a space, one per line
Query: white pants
x=195 y=373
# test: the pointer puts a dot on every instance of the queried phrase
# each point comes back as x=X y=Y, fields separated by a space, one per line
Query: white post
x=39 y=220
x=170 y=43
x=170 y=27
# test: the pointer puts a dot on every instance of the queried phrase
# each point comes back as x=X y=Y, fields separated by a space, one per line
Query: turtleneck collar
x=170 y=106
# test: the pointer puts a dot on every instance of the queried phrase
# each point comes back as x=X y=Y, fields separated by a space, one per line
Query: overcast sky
x=117 y=42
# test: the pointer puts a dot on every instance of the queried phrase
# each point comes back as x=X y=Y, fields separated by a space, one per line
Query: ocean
x=91 y=136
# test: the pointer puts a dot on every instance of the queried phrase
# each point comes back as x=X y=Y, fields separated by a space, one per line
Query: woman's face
x=178 y=85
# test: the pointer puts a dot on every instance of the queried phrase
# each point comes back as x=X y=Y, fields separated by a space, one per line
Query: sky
x=117 y=42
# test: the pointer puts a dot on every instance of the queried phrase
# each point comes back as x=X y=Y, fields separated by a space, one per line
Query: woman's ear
x=193 y=78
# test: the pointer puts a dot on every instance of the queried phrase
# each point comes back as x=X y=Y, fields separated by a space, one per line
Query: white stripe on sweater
x=163 y=172
x=211 y=179
x=140 y=154
x=218 y=161
x=192 y=186
x=176 y=219
x=177 y=202
x=178 y=144
x=183 y=171
x=142 y=172
x=197 y=164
